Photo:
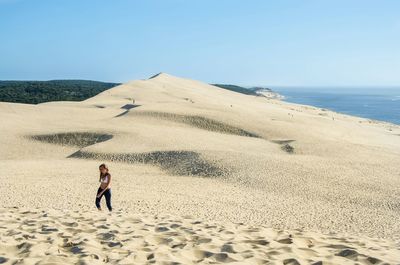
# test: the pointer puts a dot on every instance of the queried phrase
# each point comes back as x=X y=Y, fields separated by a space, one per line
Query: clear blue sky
x=294 y=42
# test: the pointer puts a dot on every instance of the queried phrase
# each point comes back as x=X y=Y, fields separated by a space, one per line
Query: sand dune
x=64 y=237
x=181 y=147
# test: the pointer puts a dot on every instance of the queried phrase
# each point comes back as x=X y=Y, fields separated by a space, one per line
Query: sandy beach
x=200 y=175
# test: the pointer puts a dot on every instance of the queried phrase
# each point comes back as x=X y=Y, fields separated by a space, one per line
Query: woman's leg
x=107 y=194
x=98 y=199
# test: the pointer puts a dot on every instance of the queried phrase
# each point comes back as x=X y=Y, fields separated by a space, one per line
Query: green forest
x=239 y=89
x=34 y=92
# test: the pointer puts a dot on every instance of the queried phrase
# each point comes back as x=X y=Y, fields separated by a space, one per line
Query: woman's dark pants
x=107 y=194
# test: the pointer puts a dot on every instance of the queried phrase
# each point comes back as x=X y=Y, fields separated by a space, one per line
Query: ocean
x=373 y=103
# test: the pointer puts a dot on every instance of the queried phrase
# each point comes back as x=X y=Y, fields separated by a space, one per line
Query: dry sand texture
x=64 y=237
x=182 y=147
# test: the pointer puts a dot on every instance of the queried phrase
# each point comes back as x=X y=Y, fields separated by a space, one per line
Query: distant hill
x=254 y=91
x=238 y=89
x=34 y=92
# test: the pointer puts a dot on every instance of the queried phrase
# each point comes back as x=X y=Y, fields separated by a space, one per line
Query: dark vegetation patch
x=34 y=92
x=285 y=145
x=78 y=139
x=199 y=122
x=174 y=162
x=253 y=91
x=237 y=89
x=287 y=148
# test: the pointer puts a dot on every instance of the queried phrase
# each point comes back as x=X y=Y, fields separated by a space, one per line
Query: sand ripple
x=74 y=237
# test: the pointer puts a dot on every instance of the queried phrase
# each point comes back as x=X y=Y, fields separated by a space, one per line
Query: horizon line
x=211 y=83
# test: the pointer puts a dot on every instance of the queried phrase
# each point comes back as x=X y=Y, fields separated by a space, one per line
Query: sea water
x=372 y=103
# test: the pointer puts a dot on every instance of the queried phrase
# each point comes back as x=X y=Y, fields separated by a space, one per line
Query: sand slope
x=181 y=147
x=64 y=237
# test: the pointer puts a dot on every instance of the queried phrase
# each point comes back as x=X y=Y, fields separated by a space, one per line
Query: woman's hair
x=101 y=174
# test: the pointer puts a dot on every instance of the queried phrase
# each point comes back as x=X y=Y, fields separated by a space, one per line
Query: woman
x=105 y=188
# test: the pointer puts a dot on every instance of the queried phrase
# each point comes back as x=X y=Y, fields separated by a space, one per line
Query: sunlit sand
x=200 y=175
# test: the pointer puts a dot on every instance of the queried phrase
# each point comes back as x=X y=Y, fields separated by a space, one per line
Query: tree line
x=34 y=92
